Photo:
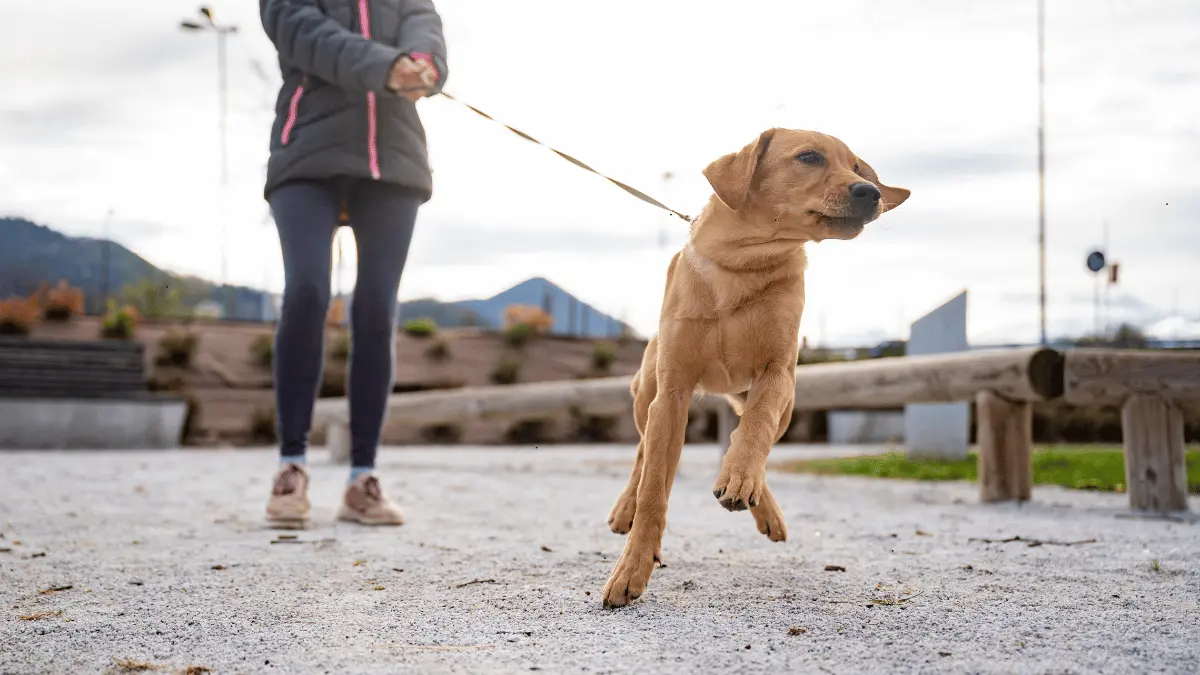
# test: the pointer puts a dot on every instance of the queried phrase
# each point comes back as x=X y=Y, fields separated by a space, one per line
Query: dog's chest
x=742 y=347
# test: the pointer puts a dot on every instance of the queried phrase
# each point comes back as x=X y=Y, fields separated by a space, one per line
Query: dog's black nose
x=864 y=195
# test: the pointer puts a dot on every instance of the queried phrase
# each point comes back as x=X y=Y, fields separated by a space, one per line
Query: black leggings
x=306 y=215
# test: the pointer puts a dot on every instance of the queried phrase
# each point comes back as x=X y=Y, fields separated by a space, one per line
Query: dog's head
x=801 y=185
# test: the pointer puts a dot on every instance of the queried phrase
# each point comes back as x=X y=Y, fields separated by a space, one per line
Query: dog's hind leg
x=644 y=388
x=666 y=424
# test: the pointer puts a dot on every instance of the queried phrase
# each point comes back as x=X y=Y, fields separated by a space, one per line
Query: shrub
x=262 y=425
x=517 y=335
x=262 y=350
x=604 y=354
x=508 y=371
x=173 y=384
x=438 y=351
x=594 y=428
x=190 y=418
x=340 y=351
x=528 y=432
x=333 y=381
x=534 y=317
x=152 y=298
x=120 y=322
x=420 y=328
x=62 y=302
x=176 y=348
x=336 y=315
x=18 y=316
x=442 y=434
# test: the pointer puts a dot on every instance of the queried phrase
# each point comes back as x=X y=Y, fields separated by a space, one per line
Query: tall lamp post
x=208 y=24
x=1041 y=135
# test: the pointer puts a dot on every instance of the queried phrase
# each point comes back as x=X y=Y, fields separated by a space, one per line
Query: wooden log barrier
x=1155 y=465
x=1149 y=386
x=1026 y=374
x=1004 y=430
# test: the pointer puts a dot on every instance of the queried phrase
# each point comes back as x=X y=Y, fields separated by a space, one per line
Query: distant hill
x=32 y=254
x=571 y=315
x=446 y=314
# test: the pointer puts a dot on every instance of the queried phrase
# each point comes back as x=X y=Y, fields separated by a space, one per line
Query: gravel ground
x=501 y=564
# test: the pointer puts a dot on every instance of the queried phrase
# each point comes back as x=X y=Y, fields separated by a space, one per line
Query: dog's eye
x=856 y=167
x=810 y=157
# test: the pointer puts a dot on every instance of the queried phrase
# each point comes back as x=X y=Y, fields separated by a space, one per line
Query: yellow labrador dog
x=730 y=323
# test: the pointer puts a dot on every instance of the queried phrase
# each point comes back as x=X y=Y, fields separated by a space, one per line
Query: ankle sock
x=356 y=471
x=298 y=459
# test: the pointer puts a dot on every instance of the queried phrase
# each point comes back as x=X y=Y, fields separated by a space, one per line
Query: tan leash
x=627 y=188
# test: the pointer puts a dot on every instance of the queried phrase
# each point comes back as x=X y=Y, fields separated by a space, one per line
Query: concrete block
x=95 y=424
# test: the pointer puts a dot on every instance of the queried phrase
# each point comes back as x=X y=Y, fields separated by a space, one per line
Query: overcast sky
x=114 y=107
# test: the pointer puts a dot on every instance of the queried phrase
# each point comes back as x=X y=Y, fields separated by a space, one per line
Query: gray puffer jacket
x=335 y=115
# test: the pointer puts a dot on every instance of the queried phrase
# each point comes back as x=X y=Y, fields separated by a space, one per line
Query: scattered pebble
x=38 y=616
x=797 y=630
x=834 y=568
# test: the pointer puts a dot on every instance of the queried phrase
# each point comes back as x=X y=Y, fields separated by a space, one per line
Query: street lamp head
x=190 y=25
x=208 y=15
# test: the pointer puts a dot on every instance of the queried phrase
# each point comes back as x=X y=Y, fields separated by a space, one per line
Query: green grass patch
x=1081 y=468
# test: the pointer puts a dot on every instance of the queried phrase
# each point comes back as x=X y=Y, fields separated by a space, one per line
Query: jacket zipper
x=364 y=22
x=293 y=106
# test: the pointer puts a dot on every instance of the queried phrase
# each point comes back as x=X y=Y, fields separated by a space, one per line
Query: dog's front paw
x=629 y=578
x=740 y=486
x=620 y=520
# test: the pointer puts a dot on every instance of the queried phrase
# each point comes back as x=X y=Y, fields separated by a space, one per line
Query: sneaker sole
x=288 y=523
x=345 y=515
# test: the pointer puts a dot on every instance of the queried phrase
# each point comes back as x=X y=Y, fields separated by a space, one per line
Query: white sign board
x=939 y=430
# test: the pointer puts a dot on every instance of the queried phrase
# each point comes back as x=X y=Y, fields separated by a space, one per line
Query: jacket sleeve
x=421 y=33
x=318 y=45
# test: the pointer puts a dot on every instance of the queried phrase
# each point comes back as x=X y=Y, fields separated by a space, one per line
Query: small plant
x=18 y=316
x=176 y=348
x=62 y=302
x=1154 y=566
x=508 y=371
x=442 y=434
x=535 y=317
x=152 y=298
x=595 y=428
x=340 y=351
x=528 y=432
x=262 y=350
x=120 y=322
x=262 y=425
x=420 y=328
x=336 y=315
x=604 y=355
x=517 y=335
x=173 y=384
x=191 y=418
x=438 y=351
x=333 y=380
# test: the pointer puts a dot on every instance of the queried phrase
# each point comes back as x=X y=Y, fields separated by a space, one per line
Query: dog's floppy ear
x=892 y=196
x=731 y=175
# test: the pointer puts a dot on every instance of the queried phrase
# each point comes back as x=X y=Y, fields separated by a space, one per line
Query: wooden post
x=1005 y=435
x=727 y=421
x=1155 y=468
x=337 y=441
